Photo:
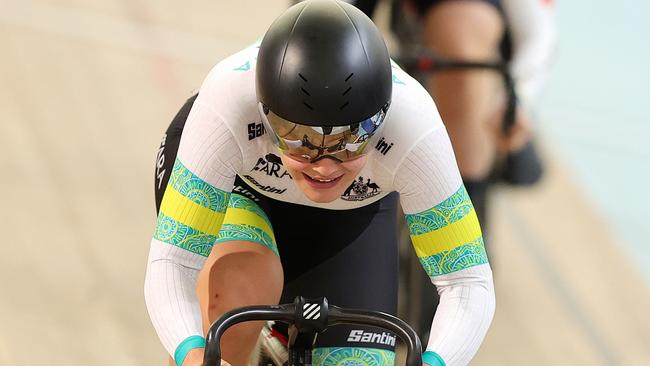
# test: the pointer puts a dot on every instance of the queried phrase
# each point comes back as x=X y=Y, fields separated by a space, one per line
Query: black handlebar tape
x=212 y=355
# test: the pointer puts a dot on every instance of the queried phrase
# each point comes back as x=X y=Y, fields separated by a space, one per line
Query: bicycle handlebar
x=293 y=314
x=212 y=356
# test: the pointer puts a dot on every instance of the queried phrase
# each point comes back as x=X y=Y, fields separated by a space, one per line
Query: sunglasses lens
x=340 y=142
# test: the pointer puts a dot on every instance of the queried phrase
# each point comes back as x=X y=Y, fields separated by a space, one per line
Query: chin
x=322 y=197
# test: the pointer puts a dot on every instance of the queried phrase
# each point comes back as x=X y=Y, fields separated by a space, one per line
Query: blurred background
x=87 y=88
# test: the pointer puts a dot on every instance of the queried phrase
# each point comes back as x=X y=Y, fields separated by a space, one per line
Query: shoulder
x=228 y=94
x=412 y=105
x=411 y=116
x=216 y=132
x=231 y=79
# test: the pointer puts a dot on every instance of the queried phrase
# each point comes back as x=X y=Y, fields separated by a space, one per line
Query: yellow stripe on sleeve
x=463 y=231
x=187 y=212
x=241 y=216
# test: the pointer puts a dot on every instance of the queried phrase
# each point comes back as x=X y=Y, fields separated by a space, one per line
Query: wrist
x=432 y=359
x=190 y=350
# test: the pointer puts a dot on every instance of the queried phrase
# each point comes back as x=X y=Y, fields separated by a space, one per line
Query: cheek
x=355 y=165
x=294 y=167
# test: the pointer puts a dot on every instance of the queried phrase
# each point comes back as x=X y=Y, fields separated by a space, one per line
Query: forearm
x=170 y=295
x=466 y=309
x=238 y=273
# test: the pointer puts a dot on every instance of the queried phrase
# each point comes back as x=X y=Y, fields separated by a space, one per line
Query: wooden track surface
x=86 y=90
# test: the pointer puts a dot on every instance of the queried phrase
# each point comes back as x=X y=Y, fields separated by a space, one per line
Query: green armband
x=432 y=359
x=186 y=346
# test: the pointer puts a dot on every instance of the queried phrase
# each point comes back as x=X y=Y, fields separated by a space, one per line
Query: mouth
x=322 y=183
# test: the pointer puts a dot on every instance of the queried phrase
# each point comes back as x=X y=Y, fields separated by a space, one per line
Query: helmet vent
x=305 y=91
x=346 y=91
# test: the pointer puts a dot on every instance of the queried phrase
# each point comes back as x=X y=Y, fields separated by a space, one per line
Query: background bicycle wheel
x=88 y=87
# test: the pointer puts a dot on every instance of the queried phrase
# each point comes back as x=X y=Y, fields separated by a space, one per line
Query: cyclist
x=522 y=33
x=519 y=32
x=282 y=177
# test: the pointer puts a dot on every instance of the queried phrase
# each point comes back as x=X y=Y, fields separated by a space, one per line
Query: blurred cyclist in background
x=472 y=102
x=283 y=176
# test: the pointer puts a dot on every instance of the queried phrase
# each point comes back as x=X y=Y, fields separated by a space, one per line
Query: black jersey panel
x=168 y=150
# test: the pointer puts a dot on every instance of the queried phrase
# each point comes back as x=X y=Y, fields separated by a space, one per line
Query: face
x=325 y=180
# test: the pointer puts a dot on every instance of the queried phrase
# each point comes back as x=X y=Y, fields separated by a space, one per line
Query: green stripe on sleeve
x=197 y=190
x=175 y=233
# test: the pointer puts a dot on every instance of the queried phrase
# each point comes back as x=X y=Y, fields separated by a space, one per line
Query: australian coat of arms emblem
x=360 y=190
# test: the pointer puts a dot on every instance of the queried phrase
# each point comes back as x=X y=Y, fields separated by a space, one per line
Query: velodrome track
x=86 y=90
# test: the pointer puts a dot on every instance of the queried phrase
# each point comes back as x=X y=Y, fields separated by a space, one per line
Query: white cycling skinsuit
x=411 y=154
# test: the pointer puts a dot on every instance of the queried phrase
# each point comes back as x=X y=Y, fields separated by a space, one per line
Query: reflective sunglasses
x=310 y=144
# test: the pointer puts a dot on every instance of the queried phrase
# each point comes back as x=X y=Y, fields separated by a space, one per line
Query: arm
x=447 y=239
x=532 y=28
x=243 y=269
x=190 y=217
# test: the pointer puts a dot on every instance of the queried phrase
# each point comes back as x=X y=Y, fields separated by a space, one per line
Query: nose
x=326 y=166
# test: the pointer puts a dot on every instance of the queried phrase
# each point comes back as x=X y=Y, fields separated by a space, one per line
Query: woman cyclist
x=282 y=178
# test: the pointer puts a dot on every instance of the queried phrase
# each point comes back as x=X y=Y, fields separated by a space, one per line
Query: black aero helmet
x=323 y=63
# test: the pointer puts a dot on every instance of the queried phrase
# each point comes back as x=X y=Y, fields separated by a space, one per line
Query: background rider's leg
x=466 y=30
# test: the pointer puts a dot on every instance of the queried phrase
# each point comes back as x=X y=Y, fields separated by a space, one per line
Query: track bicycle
x=307 y=318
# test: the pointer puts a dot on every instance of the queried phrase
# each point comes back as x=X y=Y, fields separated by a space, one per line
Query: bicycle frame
x=307 y=318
